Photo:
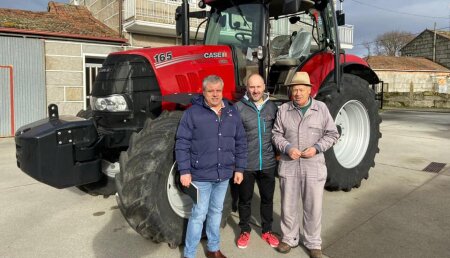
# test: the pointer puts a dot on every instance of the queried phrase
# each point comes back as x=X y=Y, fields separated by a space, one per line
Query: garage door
x=22 y=69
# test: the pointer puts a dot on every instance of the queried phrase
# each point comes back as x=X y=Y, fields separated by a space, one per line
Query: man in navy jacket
x=210 y=146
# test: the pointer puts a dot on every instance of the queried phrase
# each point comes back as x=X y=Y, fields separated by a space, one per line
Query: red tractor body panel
x=321 y=65
x=181 y=69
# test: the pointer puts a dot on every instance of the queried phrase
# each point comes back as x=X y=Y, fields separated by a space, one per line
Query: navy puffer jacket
x=208 y=147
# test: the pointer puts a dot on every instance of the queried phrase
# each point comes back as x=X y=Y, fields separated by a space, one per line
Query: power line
x=396 y=12
x=404 y=36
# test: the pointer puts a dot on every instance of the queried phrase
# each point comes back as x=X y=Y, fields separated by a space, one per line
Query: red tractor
x=125 y=142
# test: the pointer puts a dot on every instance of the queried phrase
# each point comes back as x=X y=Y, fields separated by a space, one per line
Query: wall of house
x=106 y=11
x=416 y=89
x=142 y=40
x=65 y=73
x=422 y=46
x=407 y=81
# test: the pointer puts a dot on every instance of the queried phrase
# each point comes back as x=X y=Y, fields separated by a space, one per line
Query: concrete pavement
x=400 y=211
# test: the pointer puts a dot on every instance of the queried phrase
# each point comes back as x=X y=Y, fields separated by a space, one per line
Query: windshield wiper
x=241 y=13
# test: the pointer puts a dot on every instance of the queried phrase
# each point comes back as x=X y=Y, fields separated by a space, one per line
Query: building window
x=91 y=70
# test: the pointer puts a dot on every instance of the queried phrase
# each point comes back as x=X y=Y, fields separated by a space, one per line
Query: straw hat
x=300 y=78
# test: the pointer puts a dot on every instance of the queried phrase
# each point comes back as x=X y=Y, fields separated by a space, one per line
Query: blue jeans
x=210 y=205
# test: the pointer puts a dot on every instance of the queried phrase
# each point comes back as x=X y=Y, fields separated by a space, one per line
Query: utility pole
x=434 y=43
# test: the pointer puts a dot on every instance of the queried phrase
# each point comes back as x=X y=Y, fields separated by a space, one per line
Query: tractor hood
x=181 y=69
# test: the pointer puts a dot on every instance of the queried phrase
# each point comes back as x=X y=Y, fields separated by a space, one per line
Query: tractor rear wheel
x=148 y=183
x=355 y=112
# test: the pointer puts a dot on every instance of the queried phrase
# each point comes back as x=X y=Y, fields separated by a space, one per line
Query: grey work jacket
x=258 y=128
x=315 y=127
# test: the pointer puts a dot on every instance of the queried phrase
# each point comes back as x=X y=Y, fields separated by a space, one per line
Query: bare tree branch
x=390 y=43
x=368 y=46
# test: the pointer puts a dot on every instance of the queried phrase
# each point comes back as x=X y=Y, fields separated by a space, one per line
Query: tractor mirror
x=179 y=20
x=198 y=14
x=340 y=17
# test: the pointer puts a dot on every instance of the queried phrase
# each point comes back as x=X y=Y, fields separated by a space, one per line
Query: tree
x=390 y=43
x=367 y=45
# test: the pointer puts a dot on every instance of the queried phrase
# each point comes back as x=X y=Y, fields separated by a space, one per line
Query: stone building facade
x=425 y=45
x=74 y=46
x=412 y=81
x=143 y=23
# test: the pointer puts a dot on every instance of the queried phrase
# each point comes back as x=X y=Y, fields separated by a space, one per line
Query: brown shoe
x=315 y=253
x=283 y=248
x=216 y=254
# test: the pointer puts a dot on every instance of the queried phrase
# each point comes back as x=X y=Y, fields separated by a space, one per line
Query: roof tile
x=66 y=20
x=404 y=63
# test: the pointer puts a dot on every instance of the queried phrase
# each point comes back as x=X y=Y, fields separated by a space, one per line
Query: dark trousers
x=266 y=185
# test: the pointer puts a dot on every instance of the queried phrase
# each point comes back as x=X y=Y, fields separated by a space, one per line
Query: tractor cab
x=272 y=38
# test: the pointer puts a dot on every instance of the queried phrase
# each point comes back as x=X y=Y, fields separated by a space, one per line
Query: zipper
x=219 y=119
x=258 y=112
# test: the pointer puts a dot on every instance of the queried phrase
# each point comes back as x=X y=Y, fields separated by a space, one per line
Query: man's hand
x=294 y=153
x=309 y=152
x=186 y=180
x=238 y=177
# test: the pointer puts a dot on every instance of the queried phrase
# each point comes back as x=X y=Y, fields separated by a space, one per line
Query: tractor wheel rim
x=355 y=134
x=180 y=203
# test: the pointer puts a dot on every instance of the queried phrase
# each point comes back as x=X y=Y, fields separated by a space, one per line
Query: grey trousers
x=309 y=187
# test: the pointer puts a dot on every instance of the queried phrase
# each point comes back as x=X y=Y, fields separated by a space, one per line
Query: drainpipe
x=120 y=17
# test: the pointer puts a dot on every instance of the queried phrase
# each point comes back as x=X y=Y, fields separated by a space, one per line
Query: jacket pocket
x=315 y=169
x=315 y=133
x=194 y=160
x=228 y=160
x=198 y=161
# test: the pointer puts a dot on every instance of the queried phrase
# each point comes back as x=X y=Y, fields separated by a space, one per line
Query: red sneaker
x=271 y=239
x=243 y=239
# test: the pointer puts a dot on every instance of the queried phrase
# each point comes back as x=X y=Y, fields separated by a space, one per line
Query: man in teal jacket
x=258 y=115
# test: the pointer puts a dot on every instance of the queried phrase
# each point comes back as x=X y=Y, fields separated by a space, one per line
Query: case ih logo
x=215 y=55
x=167 y=58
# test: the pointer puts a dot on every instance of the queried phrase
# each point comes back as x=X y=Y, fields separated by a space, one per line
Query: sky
x=370 y=18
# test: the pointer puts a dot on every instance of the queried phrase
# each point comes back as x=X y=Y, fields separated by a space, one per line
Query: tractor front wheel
x=148 y=192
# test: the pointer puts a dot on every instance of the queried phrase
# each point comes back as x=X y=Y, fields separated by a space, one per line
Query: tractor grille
x=434 y=167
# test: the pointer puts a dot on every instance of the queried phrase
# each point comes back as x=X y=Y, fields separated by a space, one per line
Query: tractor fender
x=320 y=68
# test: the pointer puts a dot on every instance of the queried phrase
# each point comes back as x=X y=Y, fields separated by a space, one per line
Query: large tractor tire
x=106 y=185
x=355 y=112
x=148 y=192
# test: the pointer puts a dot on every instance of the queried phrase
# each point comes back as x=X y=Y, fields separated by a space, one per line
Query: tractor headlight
x=114 y=103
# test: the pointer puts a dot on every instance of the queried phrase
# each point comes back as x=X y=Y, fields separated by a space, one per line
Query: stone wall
x=408 y=81
x=141 y=40
x=422 y=46
x=65 y=72
x=106 y=11
x=425 y=99
x=415 y=89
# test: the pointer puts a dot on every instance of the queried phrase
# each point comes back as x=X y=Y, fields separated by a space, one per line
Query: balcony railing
x=158 y=12
x=158 y=16
x=346 y=36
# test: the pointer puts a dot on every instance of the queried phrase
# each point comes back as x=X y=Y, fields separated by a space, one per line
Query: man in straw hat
x=303 y=130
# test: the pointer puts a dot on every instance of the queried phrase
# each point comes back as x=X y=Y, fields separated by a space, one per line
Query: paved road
x=400 y=211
